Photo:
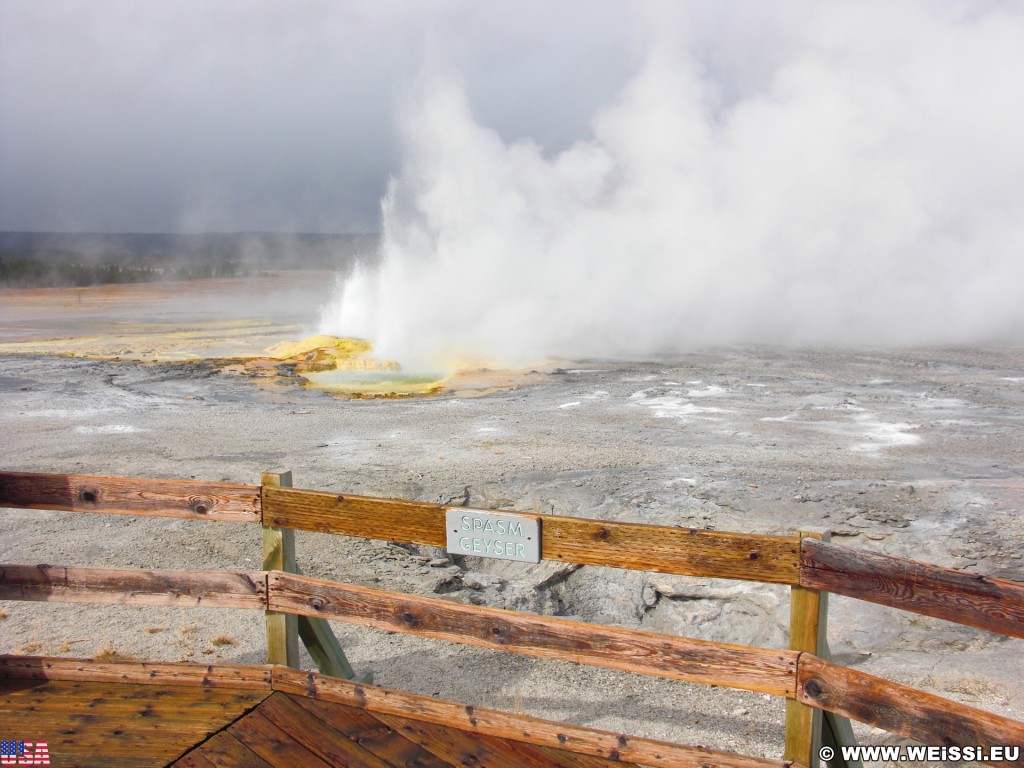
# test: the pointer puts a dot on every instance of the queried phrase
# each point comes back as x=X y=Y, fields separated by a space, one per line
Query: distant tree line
x=33 y=272
x=34 y=259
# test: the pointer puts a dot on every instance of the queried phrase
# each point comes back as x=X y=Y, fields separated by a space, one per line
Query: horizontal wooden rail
x=985 y=602
x=631 y=650
x=966 y=598
x=811 y=680
x=618 y=747
x=227 y=502
x=900 y=709
x=576 y=540
x=128 y=586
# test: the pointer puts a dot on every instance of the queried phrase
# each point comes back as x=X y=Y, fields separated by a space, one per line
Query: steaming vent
x=840 y=173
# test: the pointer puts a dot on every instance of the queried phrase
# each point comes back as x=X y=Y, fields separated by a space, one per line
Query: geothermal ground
x=916 y=453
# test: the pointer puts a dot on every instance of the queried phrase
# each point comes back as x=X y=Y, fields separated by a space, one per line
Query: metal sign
x=504 y=535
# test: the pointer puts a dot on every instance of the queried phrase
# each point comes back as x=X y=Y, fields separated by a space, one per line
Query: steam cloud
x=840 y=173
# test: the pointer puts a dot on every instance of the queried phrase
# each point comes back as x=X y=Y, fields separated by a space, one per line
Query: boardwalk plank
x=322 y=739
x=223 y=749
x=87 y=723
x=272 y=744
x=370 y=733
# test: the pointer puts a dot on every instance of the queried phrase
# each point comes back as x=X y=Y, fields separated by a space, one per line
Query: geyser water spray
x=846 y=173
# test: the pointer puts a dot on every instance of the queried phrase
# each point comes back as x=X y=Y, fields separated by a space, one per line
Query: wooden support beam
x=808 y=626
x=128 y=586
x=900 y=709
x=324 y=648
x=189 y=499
x=279 y=555
x=656 y=548
x=836 y=730
x=677 y=658
x=996 y=605
x=531 y=730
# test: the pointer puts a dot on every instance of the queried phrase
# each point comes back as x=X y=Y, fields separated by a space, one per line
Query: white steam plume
x=852 y=174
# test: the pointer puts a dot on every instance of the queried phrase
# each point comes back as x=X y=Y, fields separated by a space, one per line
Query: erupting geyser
x=776 y=173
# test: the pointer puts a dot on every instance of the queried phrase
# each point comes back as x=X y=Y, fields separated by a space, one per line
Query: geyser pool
x=371 y=384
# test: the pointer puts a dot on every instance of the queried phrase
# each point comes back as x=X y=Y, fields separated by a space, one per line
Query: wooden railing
x=806 y=561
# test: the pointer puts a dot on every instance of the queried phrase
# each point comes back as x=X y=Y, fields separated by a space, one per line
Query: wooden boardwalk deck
x=289 y=730
x=127 y=714
x=117 y=724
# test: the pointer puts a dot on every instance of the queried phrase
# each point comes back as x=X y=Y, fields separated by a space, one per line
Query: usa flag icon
x=24 y=753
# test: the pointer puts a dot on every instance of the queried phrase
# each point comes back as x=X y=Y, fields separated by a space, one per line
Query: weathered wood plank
x=677 y=658
x=272 y=744
x=464 y=748
x=129 y=586
x=195 y=759
x=363 y=516
x=576 y=760
x=324 y=740
x=577 y=540
x=228 y=502
x=112 y=735
x=368 y=731
x=324 y=648
x=996 y=605
x=116 y=733
x=100 y=742
x=186 y=703
x=523 y=728
x=284 y=629
x=900 y=709
x=142 y=672
x=808 y=626
x=92 y=723
x=279 y=555
x=450 y=744
x=836 y=730
x=223 y=749
x=663 y=549
x=103 y=761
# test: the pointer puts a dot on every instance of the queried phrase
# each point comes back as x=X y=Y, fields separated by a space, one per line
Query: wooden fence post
x=808 y=625
x=279 y=555
x=285 y=629
x=809 y=728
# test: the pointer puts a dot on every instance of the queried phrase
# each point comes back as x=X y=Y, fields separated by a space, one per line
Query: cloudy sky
x=138 y=115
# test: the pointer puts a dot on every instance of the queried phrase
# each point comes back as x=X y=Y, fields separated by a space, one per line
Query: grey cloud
x=265 y=114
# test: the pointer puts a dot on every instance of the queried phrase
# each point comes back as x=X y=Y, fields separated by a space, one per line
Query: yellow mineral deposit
x=335 y=346
x=329 y=353
x=202 y=321
x=346 y=367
